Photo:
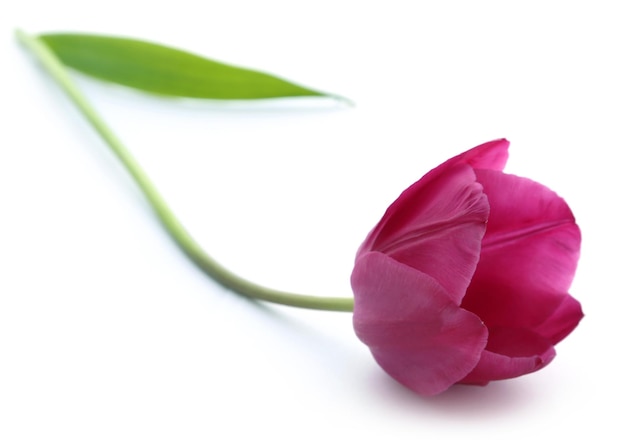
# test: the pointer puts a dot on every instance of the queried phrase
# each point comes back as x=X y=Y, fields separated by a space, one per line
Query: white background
x=110 y=337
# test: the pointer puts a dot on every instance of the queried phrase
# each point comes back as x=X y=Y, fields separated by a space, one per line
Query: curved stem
x=173 y=226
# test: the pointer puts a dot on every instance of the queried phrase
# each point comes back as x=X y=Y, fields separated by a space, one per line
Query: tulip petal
x=562 y=321
x=436 y=226
x=510 y=353
x=491 y=155
x=528 y=256
x=413 y=329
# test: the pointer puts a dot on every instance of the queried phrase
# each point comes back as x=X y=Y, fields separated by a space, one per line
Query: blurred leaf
x=167 y=71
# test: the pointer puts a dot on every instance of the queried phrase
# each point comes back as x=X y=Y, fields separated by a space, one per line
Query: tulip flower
x=465 y=279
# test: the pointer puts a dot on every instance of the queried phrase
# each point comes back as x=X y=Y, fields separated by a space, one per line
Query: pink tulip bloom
x=465 y=279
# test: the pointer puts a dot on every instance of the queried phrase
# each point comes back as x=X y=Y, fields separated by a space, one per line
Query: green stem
x=173 y=226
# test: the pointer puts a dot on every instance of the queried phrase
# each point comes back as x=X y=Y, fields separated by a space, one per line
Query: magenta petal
x=529 y=253
x=510 y=353
x=414 y=330
x=436 y=226
x=563 y=321
x=491 y=155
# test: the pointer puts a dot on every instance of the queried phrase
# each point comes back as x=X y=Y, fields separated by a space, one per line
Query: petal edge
x=413 y=329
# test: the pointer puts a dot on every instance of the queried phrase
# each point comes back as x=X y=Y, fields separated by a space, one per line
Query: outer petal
x=528 y=256
x=510 y=353
x=413 y=329
x=436 y=226
x=563 y=321
x=491 y=155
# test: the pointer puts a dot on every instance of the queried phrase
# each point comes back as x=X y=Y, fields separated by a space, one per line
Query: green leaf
x=167 y=71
